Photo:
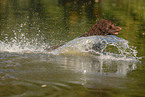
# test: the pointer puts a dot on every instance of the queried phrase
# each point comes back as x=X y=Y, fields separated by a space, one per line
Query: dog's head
x=106 y=27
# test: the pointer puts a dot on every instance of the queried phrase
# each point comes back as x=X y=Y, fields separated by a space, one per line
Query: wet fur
x=103 y=27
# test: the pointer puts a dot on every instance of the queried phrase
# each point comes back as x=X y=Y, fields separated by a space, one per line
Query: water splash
x=106 y=47
x=21 y=44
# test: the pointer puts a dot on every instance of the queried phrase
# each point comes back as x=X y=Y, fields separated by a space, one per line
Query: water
x=95 y=66
x=95 y=45
x=99 y=46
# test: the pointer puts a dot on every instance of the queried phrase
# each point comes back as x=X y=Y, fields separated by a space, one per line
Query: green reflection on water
x=58 y=21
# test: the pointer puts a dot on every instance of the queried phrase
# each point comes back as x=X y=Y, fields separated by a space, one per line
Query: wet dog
x=103 y=27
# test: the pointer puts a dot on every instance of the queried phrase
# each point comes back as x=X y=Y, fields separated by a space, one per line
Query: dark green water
x=27 y=27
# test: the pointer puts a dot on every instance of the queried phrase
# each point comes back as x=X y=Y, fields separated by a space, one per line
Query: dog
x=103 y=27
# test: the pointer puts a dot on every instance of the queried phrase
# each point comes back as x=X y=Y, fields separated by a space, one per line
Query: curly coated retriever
x=103 y=27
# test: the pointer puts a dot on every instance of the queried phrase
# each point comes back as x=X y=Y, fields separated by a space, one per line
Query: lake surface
x=97 y=66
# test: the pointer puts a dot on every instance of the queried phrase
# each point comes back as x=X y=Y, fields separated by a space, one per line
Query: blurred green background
x=58 y=21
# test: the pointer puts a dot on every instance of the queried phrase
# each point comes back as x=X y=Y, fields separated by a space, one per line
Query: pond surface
x=97 y=66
